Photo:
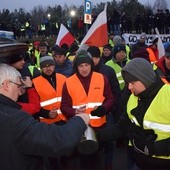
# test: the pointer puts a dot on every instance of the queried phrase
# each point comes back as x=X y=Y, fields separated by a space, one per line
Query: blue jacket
x=66 y=68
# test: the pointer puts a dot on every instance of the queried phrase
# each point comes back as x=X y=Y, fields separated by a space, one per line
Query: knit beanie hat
x=139 y=69
x=118 y=48
x=143 y=35
x=83 y=47
x=82 y=57
x=108 y=46
x=60 y=51
x=94 y=51
x=36 y=43
x=54 y=48
x=142 y=53
x=117 y=40
x=65 y=47
x=46 y=60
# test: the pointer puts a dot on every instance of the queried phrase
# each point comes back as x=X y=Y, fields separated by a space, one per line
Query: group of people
x=47 y=101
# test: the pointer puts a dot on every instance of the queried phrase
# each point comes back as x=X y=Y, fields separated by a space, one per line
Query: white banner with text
x=132 y=38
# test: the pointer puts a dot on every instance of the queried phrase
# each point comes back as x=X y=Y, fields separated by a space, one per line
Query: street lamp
x=72 y=13
x=49 y=16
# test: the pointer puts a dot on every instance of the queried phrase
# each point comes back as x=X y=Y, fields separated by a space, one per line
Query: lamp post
x=49 y=16
x=72 y=13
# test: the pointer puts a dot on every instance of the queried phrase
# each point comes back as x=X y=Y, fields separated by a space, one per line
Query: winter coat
x=24 y=140
x=126 y=127
x=66 y=68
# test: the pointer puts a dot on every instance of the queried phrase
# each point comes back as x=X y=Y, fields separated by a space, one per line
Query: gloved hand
x=143 y=142
x=144 y=134
x=162 y=147
x=99 y=111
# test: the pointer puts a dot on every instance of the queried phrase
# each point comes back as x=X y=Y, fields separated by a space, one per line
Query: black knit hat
x=142 y=53
x=94 y=51
x=60 y=51
x=108 y=46
x=118 y=48
x=139 y=69
x=82 y=57
x=54 y=48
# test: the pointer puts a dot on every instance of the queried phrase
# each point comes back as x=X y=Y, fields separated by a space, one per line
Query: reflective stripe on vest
x=94 y=98
x=38 y=60
x=158 y=126
x=127 y=51
x=51 y=101
x=157 y=115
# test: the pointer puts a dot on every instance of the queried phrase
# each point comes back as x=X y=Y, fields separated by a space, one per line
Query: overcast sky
x=30 y=4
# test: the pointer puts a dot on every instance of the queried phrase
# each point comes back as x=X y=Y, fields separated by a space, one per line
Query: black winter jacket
x=126 y=127
x=114 y=84
x=23 y=140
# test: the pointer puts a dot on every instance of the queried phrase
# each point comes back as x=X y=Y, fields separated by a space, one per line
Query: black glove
x=100 y=111
x=144 y=134
x=143 y=141
x=162 y=147
x=108 y=133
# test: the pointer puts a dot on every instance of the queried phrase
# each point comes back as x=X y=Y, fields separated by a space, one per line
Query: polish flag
x=97 y=35
x=161 y=48
x=64 y=37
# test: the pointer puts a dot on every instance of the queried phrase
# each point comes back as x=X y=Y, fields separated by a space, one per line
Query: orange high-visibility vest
x=152 y=56
x=93 y=98
x=49 y=97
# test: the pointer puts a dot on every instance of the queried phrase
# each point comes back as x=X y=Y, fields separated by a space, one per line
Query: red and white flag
x=64 y=37
x=161 y=48
x=97 y=35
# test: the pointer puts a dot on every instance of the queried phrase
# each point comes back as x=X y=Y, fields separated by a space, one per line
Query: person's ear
x=5 y=84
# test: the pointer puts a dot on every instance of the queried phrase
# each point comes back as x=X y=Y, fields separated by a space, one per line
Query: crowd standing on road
x=50 y=94
x=118 y=23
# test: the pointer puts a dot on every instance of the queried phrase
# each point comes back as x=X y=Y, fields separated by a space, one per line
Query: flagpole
x=86 y=28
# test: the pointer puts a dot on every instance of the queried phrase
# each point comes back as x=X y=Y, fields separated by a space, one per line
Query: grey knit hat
x=117 y=40
x=143 y=35
x=139 y=69
x=46 y=60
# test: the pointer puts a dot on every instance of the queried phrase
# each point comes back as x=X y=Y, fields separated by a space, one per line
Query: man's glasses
x=48 y=66
x=20 y=86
